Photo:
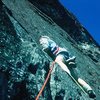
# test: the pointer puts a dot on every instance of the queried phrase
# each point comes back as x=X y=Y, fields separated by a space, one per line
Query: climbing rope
x=40 y=92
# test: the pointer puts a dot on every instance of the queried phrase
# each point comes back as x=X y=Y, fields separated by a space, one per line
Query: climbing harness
x=40 y=92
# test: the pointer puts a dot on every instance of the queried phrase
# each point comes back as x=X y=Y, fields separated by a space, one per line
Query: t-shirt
x=53 y=50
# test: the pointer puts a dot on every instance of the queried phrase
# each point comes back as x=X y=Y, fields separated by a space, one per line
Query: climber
x=64 y=60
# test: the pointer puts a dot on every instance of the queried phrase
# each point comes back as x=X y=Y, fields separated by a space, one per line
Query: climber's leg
x=85 y=86
x=71 y=72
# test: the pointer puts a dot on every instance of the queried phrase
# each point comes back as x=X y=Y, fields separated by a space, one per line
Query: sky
x=88 y=14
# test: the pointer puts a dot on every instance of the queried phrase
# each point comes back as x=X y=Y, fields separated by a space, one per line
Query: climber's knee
x=59 y=58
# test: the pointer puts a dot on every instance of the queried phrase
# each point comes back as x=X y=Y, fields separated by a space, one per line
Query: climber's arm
x=59 y=61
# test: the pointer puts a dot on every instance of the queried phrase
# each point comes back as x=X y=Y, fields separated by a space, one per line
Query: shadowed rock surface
x=24 y=66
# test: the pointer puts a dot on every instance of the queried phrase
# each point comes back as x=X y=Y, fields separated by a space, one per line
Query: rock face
x=64 y=19
x=24 y=66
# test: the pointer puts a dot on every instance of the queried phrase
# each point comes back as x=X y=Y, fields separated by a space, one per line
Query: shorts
x=65 y=54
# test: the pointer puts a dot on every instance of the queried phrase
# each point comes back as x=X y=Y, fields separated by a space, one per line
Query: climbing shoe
x=71 y=62
x=91 y=94
x=72 y=59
